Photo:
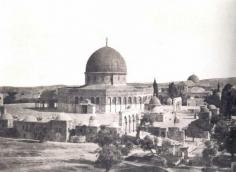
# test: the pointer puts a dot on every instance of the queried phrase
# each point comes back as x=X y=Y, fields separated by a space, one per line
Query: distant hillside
x=223 y=81
x=24 y=94
x=213 y=82
x=29 y=94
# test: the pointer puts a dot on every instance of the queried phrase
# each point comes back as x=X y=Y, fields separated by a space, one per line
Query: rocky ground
x=27 y=156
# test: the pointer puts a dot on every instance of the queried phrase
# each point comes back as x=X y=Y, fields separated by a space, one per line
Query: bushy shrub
x=109 y=155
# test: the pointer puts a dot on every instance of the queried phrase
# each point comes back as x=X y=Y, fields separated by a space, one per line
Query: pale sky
x=48 y=42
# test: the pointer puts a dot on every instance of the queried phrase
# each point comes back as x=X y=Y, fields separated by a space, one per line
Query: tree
x=125 y=150
x=155 y=88
x=110 y=148
x=148 y=144
x=209 y=153
x=181 y=87
x=10 y=98
x=108 y=156
x=146 y=119
x=197 y=127
x=151 y=144
x=221 y=130
x=213 y=99
x=173 y=90
x=230 y=142
x=104 y=137
x=226 y=100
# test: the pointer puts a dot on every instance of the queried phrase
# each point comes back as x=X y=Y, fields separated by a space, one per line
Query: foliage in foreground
x=111 y=148
x=209 y=153
x=108 y=156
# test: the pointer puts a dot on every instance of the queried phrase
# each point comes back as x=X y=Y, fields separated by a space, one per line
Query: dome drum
x=105 y=78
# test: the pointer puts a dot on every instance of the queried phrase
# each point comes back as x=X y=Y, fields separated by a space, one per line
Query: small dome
x=106 y=60
x=63 y=117
x=212 y=107
x=193 y=78
x=6 y=116
x=30 y=118
x=155 y=101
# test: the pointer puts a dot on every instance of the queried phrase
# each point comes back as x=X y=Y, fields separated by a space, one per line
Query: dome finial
x=106 y=41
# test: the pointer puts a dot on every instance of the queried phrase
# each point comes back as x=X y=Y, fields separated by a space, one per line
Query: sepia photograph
x=118 y=86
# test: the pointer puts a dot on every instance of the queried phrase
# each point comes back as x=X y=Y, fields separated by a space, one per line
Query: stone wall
x=59 y=130
x=52 y=130
x=171 y=132
x=4 y=123
x=90 y=132
x=30 y=130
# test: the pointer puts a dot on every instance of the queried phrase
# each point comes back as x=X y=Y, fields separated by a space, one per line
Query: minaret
x=155 y=88
x=218 y=87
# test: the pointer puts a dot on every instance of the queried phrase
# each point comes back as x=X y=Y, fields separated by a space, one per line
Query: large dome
x=106 y=60
x=193 y=78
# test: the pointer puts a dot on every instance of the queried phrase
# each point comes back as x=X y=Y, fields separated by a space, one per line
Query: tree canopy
x=108 y=156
